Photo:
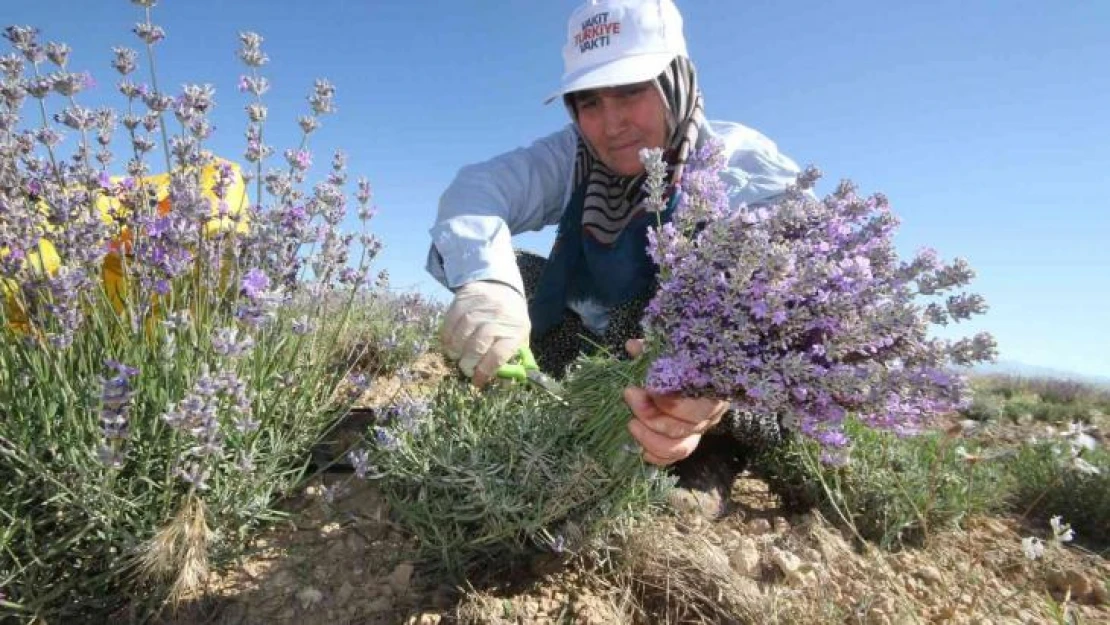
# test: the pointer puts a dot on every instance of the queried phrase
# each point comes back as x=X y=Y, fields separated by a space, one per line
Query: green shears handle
x=518 y=368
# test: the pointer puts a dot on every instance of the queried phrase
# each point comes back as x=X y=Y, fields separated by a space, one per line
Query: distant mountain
x=1013 y=367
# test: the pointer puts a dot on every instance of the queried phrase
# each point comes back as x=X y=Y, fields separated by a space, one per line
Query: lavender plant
x=157 y=393
x=484 y=480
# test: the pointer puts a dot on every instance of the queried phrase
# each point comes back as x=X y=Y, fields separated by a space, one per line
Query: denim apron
x=581 y=271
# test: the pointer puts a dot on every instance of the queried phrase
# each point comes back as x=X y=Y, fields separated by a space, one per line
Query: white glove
x=484 y=327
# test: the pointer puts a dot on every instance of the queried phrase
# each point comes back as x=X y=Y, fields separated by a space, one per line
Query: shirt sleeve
x=757 y=171
x=489 y=202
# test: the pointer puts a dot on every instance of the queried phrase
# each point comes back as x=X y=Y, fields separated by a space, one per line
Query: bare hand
x=668 y=427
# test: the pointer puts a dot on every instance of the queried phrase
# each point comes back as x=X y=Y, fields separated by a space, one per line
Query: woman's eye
x=587 y=104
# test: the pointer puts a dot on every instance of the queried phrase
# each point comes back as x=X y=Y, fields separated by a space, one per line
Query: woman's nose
x=614 y=117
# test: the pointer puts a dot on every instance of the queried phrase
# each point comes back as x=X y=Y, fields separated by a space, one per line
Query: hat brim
x=624 y=71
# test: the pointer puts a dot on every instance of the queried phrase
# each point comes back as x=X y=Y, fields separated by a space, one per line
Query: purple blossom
x=800 y=308
x=299 y=160
x=226 y=342
x=124 y=60
x=255 y=282
x=386 y=439
x=250 y=51
x=115 y=403
x=322 y=98
x=149 y=33
x=360 y=460
x=407 y=413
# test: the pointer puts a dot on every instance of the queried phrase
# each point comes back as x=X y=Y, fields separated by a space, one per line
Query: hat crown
x=602 y=32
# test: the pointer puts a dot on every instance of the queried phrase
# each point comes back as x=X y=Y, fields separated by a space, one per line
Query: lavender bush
x=485 y=480
x=386 y=330
x=157 y=393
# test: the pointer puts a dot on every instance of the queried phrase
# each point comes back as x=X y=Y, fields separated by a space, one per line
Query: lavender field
x=215 y=408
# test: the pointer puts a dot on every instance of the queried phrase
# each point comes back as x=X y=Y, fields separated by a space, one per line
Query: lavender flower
x=57 y=53
x=802 y=309
x=255 y=283
x=386 y=439
x=360 y=460
x=226 y=343
x=124 y=61
x=115 y=403
x=299 y=160
x=254 y=85
x=251 y=50
x=408 y=413
x=149 y=33
x=302 y=325
x=308 y=123
x=656 y=178
x=322 y=99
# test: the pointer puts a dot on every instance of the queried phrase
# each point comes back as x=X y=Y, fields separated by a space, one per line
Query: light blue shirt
x=528 y=188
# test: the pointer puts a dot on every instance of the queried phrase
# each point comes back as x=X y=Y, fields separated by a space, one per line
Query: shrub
x=156 y=394
x=985 y=406
x=386 y=332
x=1055 y=477
x=481 y=478
x=891 y=490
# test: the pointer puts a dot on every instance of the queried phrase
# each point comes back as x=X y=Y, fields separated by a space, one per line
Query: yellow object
x=46 y=261
x=43 y=261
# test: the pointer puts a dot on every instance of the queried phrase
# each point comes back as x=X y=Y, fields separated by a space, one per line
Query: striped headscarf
x=612 y=200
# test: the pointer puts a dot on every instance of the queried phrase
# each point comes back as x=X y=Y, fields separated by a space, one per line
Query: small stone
x=1099 y=594
x=781 y=525
x=336 y=552
x=354 y=542
x=281 y=581
x=330 y=529
x=811 y=554
x=1080 y=585
x=344 y=593
x=759 y=526
x=381 y=604
x=745 y=558
x=1069 y=581
x=401 y=577
x=929 y=575
x=787 y=562
x=309 y=597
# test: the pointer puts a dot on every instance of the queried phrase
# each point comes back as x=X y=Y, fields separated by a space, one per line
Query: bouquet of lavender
x=802 y=309
x=157 y=393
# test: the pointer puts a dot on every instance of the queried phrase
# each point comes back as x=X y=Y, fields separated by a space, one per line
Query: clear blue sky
x=986 y=123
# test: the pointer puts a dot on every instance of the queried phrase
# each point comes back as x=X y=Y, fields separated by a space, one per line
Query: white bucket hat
x=619 y=42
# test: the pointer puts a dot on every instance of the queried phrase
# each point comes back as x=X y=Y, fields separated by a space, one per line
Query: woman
x=628 y=84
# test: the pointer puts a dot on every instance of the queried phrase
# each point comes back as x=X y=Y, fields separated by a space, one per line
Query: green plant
x=1054 y=478
x=888 y=489
x=481 y=477
x=156 y=393
x=384 y=332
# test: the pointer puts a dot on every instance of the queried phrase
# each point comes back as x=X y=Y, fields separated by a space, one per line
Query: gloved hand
x=484 y=327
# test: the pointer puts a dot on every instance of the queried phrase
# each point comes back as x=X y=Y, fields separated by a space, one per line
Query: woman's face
x=618 y=122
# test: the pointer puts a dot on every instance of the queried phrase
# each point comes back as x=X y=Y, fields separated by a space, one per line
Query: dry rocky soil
x=340 y=560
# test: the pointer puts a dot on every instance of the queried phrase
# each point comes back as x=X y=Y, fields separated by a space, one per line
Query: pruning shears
x=523 y=368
